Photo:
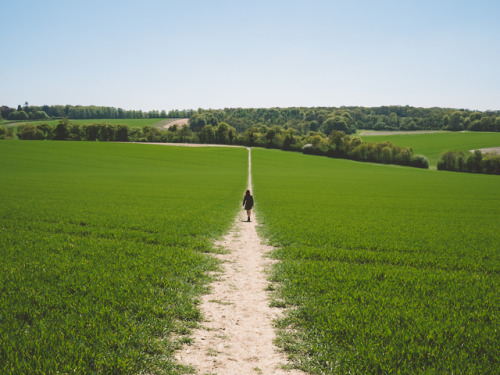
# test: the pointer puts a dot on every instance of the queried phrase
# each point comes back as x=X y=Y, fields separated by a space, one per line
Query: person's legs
x=249 y=213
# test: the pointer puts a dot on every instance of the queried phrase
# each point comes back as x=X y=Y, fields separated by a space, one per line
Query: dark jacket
x=248 y=202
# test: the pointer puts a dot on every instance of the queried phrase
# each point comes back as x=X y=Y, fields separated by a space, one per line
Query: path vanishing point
x=237 y=334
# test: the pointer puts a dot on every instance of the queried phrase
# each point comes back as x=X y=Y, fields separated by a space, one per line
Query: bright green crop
x=386 y=269
x=103 y=251
x=433 y=144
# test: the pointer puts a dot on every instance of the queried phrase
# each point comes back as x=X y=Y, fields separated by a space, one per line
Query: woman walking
x=248 y=203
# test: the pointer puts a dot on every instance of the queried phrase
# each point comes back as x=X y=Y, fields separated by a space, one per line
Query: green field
x=130 y=122
x=103 y=251
x=386 y=269
x=433 y=144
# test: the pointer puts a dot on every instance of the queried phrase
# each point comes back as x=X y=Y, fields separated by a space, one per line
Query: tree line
x=338 y=144
x=349 y=119
x=45 y=112
x=460 y=161
x=302 y=119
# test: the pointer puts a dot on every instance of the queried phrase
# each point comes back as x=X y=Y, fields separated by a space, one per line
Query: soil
x=165 y=124
x=493 y=150
x=237 y=334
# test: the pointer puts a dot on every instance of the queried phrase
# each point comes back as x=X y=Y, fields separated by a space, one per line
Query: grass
x=433 y=144
x=385 y=269
x=104 y=251
x=130 y=122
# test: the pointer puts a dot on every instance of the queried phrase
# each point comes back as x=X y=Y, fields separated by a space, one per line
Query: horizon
x=165 y=55
x=223 y=108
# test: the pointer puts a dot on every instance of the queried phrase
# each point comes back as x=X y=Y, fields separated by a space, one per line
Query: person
x=248 y=203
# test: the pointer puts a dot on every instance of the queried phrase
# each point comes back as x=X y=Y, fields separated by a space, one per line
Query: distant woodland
x=79 y=112
x=301 y=119
x=349 y=119
x=324 y=131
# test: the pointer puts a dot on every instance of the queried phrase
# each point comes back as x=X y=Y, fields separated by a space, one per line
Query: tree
x=122 y=133
x=207 y=134
x=336 y=123
x=289 y=139
x=184 y=133
x=5 y=111
x=61 y=131
x=455 y=121
x=221 y=132
x=18 y=115
x=29 y=132
x=197 y=122
x=46 y=129
x=38 y=115
x=473 y=162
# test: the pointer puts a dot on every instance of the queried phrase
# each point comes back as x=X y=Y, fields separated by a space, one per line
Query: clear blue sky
x=153 y=54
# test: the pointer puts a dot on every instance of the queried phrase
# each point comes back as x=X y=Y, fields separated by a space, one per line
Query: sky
x=155 y=55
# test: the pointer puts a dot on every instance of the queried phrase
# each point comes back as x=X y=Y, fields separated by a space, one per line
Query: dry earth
x=493 y=150
x=165 y=124
x=237 y=334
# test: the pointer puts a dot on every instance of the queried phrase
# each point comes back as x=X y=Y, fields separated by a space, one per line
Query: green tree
x=473 y=162
x=91 y=132
x=61 y=131
x=221 y=134
x=38 y=115
x=46 y=129
x=122 y=133
x=337 y=122
x=18 y=115
x=455 y=121
x=207 y=134
x=29 y=132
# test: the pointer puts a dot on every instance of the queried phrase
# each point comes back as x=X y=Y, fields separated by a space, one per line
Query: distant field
x=386 y=269
x=102 y=249
x=433 y=144
x=129 y=122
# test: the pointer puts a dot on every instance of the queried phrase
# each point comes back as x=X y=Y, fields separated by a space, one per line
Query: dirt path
x=237 y=333
x=490 y=150
x=165 y=124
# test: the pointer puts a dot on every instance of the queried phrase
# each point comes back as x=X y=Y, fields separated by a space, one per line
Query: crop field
x=103 y=251
x=433 y=144
x=130 y=122
x=386 y=269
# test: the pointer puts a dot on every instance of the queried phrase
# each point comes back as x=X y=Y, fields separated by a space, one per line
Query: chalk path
x=237 y=334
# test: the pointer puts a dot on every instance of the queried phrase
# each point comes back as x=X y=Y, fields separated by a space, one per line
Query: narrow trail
x=237 y=334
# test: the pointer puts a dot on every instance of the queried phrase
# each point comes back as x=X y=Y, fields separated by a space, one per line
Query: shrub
x=459 y=161
x=29 y=132
x=419 y=161
x=491 y=163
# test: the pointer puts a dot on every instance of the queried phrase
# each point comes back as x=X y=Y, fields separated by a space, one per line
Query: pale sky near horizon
x=191 y=54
